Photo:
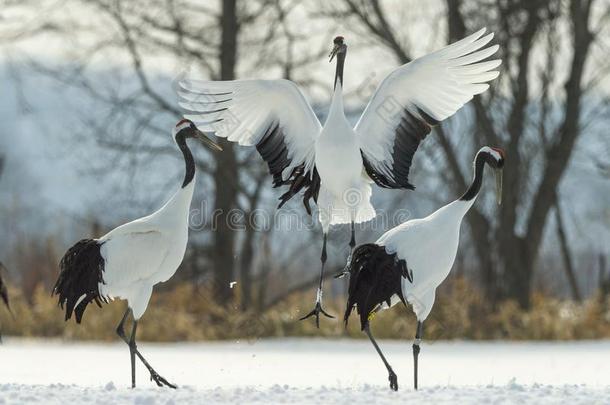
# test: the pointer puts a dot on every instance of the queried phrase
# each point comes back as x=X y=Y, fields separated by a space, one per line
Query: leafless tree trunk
x=604 y=280
x=248 y=253
x=559 y=153
x=566 y=254
x=225 y=174
x=518 y=253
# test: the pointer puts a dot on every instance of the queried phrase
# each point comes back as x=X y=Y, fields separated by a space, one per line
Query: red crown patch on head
x=182 y=121
x=500 y=151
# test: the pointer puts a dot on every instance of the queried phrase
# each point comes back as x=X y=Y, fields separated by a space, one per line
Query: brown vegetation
x=185 y=313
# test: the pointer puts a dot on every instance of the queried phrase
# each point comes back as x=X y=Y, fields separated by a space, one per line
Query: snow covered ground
x=306 y=371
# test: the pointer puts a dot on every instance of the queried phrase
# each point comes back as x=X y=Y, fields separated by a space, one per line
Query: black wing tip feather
x=412 y=128
x=384 y=181
x=81 y=272
x=375 y=277
x=428 y=118
x=274 y=151
x=299 y=180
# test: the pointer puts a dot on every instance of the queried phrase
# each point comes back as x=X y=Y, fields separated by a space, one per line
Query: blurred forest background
x=88 y=103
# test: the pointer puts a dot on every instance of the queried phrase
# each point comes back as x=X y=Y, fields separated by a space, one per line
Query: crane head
x=496 y=161
x=500 y=157
x=189 y=130
x=339 y=47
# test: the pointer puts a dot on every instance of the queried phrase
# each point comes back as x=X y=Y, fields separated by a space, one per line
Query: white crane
x=408 y=262
x=335 y=164
x=129 y=260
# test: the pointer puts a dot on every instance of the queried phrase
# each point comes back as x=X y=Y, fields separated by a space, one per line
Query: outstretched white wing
x=415 y=97
x=271 y=114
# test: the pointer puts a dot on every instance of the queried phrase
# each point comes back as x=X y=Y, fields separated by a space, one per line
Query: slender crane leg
x=133 y=351
x=132 y=354
x=120 y=330
x=318 y=308
x=392 y=376
x=154 y=376
x=352 y=245
x=416 y=342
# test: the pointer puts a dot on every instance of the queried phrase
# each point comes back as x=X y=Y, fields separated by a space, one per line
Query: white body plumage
x=428 y=246
x=147 y=251
x=345 y=193
x=128 y=261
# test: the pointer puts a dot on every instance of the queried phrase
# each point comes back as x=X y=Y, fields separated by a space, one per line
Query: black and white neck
x=340 y=65
x=336 y=111
x=486 y=155
x=182 y=133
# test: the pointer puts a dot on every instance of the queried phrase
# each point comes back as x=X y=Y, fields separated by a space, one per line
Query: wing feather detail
x=272 y=115
x=417 y=96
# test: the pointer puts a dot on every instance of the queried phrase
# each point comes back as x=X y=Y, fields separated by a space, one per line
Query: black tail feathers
x=299 y=180
x=375 y=277
x=81 y=272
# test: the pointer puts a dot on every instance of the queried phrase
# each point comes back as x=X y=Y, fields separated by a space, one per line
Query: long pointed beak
x=499 y=186
x=207 y=141
x=332 y=53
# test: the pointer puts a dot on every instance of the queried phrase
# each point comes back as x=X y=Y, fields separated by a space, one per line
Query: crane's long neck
x=456 y=210
x=176 y=210
x=189 y=162
x=339 y=69
x=336 y=104
x=472 y=191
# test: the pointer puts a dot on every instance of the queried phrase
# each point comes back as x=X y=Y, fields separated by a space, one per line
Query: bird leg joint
x=120 y=331
x=319 y=295
x=416 y=348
